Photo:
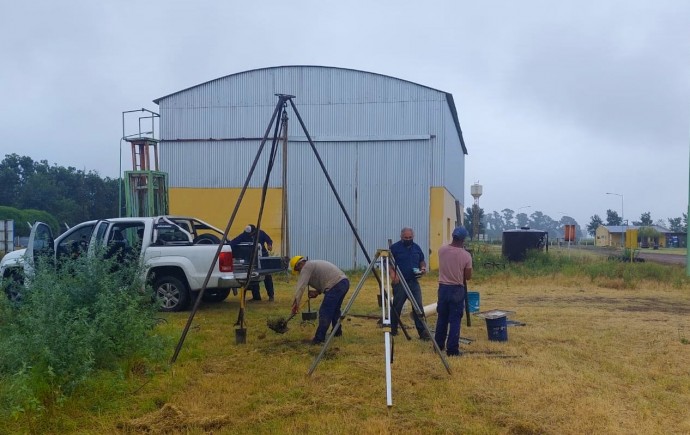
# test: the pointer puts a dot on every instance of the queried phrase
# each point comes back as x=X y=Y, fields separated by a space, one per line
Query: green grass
x=602 y=352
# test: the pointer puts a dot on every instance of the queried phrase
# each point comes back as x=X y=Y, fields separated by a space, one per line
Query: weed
x=87 y=315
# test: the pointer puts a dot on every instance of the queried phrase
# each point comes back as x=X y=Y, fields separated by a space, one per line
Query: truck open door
x=41 y=245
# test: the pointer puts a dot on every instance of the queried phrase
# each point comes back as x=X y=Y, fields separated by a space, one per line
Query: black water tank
x=516 y=243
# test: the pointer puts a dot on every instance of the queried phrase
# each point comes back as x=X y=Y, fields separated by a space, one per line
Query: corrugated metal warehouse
x=394 y=150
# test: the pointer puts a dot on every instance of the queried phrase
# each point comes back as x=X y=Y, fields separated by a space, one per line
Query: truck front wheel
x=14 y=286
x=171 y=294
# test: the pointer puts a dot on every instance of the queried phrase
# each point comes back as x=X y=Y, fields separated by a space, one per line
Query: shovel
x=279 y=324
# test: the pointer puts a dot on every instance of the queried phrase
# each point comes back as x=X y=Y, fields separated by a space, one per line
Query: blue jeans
x=329 y=312
x=451 y=303
x=399 y=299
x=268 y=282
x=254 y=287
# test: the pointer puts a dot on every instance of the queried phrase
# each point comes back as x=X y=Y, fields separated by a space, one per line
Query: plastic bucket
x=497 y=329
x=473 y=301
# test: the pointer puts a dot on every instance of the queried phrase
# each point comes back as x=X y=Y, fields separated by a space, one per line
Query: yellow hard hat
x=294 y=261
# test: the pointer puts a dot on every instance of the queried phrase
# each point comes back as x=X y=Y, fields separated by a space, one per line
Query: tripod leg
x=344 y=312
x=422 y=318
x=178 y=348
x=388 y=343
x=395 y=313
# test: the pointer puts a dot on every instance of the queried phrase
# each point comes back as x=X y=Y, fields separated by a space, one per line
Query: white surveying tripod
x=385 y=261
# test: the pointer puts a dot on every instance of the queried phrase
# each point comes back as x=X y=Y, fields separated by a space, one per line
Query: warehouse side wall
x=442 y=221
x=215 y=206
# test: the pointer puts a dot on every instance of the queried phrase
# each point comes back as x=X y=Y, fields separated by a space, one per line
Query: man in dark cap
x=454 y=268
x=409 y=258
x=266 y=244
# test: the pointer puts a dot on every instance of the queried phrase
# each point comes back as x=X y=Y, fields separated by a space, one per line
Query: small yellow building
x=613 y=236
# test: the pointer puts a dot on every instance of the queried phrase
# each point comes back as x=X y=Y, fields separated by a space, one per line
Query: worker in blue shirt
x=409 y=258
x=266 y=244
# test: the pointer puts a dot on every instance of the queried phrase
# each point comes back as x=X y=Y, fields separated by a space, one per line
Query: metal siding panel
x=318 y=227
x=332 y=101
x=218 y=164
x=393 y=192
x=453 y=161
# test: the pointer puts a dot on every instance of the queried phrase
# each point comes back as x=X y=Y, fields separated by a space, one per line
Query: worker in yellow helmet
x=327 y=279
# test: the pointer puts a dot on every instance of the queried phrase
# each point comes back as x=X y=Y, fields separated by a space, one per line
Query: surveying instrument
x=384 y=261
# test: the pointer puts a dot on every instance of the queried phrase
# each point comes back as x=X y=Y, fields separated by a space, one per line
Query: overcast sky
x=559 y=101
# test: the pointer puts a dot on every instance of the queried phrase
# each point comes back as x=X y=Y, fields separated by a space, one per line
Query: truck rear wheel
x=216 y=295
x=171 y=294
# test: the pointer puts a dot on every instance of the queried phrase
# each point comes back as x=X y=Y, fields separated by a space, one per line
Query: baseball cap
x=460 y=233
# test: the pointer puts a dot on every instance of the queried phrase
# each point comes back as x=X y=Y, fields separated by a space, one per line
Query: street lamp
x=518 y=212
x=622 y=217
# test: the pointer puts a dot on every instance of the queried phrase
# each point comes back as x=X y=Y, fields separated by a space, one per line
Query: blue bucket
x=497 y=329
x=473 y=301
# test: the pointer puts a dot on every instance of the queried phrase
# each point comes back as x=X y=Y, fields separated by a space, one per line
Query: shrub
x=540 y=263
x=89 y=314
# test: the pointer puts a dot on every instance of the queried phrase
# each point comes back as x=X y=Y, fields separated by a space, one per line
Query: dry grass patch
x=590 y=359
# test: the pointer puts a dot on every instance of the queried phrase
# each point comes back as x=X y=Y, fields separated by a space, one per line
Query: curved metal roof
x=449 y=96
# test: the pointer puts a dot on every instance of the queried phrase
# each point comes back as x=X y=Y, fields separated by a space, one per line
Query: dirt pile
x=170 y=419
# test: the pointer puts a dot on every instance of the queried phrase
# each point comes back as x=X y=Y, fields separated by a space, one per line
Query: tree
x=675 y=225
x=648 y=233
x=508 y=216
x=539 y=220
x=612 y=218
x=685 y=222
x=522 y=220
x=645 y=220
x=469 y=220
x=68 y=194
x=494 y=225
x=594 y=223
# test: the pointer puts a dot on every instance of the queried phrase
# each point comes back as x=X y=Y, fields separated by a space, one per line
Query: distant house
x=676 y=240
x=612 y=235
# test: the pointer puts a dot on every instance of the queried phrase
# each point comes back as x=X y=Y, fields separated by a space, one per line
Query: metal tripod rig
x=278 y=113
x=385 y=260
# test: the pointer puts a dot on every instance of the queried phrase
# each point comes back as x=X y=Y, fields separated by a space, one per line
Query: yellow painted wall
x=441 y=222
x=602 y=237
x=216 y=205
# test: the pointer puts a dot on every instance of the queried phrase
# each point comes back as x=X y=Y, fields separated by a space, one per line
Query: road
x=663 y=258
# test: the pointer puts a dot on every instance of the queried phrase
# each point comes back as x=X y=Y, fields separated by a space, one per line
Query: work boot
x=339 y=332
x=394 y=331
x=270 y=299
x=424 y=336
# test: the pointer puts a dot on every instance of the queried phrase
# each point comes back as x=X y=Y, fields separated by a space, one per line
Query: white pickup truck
x=176 y=251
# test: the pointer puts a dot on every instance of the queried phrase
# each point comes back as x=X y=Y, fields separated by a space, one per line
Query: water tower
x=476 y=191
